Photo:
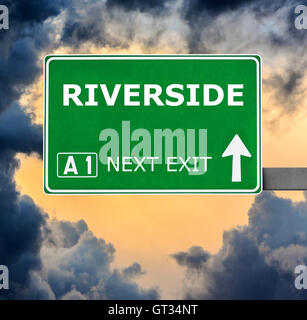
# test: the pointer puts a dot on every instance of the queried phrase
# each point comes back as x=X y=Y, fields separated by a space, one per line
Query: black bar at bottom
x=153 y=310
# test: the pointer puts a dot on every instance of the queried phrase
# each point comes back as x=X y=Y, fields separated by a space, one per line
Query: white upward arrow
x=236 y=149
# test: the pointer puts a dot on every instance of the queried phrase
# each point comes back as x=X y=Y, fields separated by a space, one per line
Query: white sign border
x=77 y=177
x=151 y=191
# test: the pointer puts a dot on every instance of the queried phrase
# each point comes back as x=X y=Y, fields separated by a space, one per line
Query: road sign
x=152 y=124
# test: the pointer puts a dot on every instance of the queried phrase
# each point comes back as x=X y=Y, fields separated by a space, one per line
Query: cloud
x=261 y=7
x=55 y=259
x=18 y=133
x=264 y=28
x=21 y=221
x=76 y=264
x=288 y=87
x=51 y=259
x=21 y=224
x=21 y=45
x=134 y=270
x=256 y=261
x=47 y=259
x=31 y=11
x=120 y=25
x=194 y=258
x=17 y=70
x=194 y=10
x=139 y=4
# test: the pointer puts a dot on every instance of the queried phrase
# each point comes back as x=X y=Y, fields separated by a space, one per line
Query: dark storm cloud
x=21 y=224
x=134 y=270
x=260 y=7
x=138 y=4
x=190 y=6
x=56 y=259
x=89 y=24
x=20 y=45
x=47 y=259
x=256 y=261
x=18 y=133
x=194 y=258
x=203 y=14
x=84 y=23
x=196 y=7
x=75 y=33
x=118 y=287
x=288 y=87
x=78 y=266
x=66 y=234
x=24 y=18
x=51 y=259
x=32 y=11
x=21 y=221
x=17 y=70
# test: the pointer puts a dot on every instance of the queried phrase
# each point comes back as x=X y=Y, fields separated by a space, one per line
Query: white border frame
x=153 y=57
x=65 y=177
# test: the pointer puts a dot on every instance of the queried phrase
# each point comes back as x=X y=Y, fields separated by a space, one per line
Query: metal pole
x=284 y=178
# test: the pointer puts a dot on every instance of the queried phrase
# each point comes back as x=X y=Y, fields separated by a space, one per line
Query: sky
x=150 y=247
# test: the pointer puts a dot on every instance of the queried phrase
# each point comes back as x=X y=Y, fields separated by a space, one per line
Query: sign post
x=152 y=124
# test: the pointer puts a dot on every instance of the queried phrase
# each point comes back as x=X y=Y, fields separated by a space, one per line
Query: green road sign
x=152 y=124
